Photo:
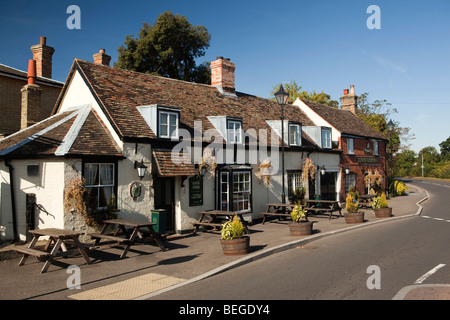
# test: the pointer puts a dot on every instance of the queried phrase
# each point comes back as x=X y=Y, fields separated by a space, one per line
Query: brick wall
x=362 y=161
x=10 y=103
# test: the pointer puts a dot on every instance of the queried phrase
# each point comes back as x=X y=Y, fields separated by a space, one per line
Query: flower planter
x=301 y=228
x=235 y=247
x=383 y=212
x=356 y=217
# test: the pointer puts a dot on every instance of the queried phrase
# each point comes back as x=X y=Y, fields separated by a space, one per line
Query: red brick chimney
x=102 y=58
x=349 y=100
x=222 y=75
x=31 y=99
x=43 y=56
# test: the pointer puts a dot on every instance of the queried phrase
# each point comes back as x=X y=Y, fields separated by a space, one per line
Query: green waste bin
x=159 y=218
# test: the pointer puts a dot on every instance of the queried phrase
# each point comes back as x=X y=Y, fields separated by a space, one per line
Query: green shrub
x=297 y=213
x=232 y=229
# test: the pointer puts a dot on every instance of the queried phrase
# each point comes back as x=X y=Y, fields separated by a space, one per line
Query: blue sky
x=322 y=45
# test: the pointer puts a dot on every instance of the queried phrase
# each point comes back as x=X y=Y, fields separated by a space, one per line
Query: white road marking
x=429 y=273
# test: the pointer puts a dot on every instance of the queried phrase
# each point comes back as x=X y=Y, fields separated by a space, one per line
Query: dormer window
x=326 y=138
x=295 y=134
x=168 y=124
x=234 y=131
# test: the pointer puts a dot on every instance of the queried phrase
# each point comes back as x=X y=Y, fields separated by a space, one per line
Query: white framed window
x=294 y=134
x=241 y=191
x=326 y=138
x=350 y=146
x=294 y=182
x=99 y=182
x=234 y=131
x=375 y=148
x=168 y=124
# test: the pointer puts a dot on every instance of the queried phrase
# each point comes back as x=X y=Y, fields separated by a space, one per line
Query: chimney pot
x=349 y=100
x=101 y=57
x=31 y=71
x=222 y=75
x=43 y=56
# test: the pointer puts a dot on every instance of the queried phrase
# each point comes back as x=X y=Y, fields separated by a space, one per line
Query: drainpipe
x=13 y=199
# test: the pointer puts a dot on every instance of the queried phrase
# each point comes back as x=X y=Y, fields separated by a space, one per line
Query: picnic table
x=60 y=238
x=211 y=218
x=279 y=210
x=130 y=234
x=365 y=200
x=323 y=205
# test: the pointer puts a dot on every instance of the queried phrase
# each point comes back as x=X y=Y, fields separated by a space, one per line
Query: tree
x=168 y=48
x=445 y=148
x=406 y=164
x=295 y=92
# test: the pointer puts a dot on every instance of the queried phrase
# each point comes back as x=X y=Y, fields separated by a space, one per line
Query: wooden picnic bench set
x=282 y=210
x=125 y=233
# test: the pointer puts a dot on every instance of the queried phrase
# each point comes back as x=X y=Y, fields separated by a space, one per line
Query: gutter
x=13 y=199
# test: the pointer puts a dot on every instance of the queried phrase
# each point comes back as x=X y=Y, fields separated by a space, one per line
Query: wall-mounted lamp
x=347 y=170
x=141 y=168
x=322 y=170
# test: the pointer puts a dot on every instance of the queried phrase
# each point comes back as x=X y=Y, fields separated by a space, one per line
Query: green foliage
x=399 y=188
x=379 y=202
x=436 y=165
x=298 y=196
x=295 y=92
x=232 y=229
x=445 y=148
x=167 y=48
x=297 y=213
x=351 y=203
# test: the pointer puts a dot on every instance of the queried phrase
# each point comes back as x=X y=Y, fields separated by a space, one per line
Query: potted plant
x=380 y=207
x=233 y=240
x=298 y=227
x=353 y=214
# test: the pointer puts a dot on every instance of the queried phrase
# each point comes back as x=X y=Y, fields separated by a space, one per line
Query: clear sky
x=322 y=45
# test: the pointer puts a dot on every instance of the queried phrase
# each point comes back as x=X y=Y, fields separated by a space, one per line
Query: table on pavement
x=60 y=237
x=211 y=218
x=130 y=237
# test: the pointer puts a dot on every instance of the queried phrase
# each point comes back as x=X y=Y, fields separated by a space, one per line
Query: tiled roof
x=344 y=121
x=167 y=168
x=120 y=92
x=59 y=136
x=16 y=73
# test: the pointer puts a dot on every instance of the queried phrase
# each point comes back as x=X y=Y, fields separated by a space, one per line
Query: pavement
x=147 y=272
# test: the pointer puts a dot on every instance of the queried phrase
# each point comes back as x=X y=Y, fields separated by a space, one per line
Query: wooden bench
x=41 y=255
x=219 y=225
x=107 y=237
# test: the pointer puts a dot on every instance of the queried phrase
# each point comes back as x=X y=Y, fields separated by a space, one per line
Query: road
x=402 y=253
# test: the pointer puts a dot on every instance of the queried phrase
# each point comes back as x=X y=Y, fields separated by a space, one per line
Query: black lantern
x=141 y=168
x=281 y=96
x=390 y=125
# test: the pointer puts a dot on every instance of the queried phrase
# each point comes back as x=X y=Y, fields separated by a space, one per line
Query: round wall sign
x=135 y=189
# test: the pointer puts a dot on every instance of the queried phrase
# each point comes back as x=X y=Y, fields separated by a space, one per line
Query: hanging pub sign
x=195 y=191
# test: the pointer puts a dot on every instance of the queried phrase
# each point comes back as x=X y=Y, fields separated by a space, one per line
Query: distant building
x=22 y=103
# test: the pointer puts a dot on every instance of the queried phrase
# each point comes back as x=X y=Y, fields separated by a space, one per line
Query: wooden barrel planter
x=303 y=228
x=356 y=217
x=235 y=247
x=383 y=212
